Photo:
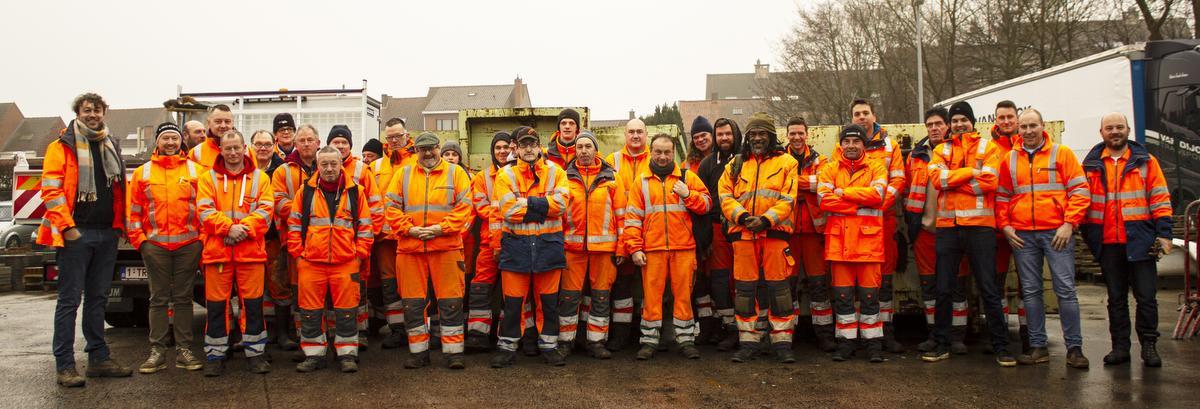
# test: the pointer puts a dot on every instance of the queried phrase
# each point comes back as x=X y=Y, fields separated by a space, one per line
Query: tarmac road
x=974 y=380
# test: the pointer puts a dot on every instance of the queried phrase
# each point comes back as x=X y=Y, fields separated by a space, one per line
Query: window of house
x=447 y=124
x=738 y=111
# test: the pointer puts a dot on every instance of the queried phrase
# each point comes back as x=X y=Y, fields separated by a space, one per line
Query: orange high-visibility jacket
x=558 y=154
x=854 y=219
x=420 y=197
x=162 y=203
x=807 y=216
x=628 y=166
x=483 y=193
x=964 y=199
x=764 y=187
x=384 y=168
x=881 y=148
x=286 y=184
x=365 y=179
x=658 y=219
x=60 y=182
x=531 y=233
x=1131 y=204
x=595 y=209
x=207 y=153
x=331 y=240
x=1043 y=192
x=918 y=177
x=226 y=199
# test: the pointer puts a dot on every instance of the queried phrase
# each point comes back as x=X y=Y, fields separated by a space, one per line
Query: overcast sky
x=611 y=55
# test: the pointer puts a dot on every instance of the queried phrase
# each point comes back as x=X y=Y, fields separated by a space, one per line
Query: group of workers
x=559 y=236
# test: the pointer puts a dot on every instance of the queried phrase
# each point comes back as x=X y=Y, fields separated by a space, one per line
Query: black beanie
x=166 y=127
x=339 y=131
x=853 y=130
x=569 y=113
x=373 y=145
x=499 y=136
x=701 y=124
x=283 y=120
x=964 y=109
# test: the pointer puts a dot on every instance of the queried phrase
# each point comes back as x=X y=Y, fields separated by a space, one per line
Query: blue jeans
x=1062 y=274
x=978 y=245
x=85 y=270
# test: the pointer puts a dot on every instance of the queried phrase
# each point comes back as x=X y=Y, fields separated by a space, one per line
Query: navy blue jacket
x=1139 y=234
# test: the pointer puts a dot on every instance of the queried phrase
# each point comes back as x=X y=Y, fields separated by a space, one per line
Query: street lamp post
x=920 y=75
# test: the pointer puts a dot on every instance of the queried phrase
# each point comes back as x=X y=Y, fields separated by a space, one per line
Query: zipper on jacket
x=1032 y=192
x=425 y=212
x=666 y=222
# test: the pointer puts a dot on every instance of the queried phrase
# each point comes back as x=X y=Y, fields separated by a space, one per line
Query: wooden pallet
x=32 y=279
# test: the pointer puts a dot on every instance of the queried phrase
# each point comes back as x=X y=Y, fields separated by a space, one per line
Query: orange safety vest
x=362 y=176
x=531 y=234
x=558 y=154
x=595 y=209
x=1041 y=193
x=854 y=220
x=162 y=203
x=807 y=215
x=964 y=199
x=483 y=191
x=657 y=219
x=420 y=197
x=881 y=148
x=764 y=187
x=225 y=199
x=331 y=240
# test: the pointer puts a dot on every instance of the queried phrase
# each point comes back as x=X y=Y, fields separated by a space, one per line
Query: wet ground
x=974 y=380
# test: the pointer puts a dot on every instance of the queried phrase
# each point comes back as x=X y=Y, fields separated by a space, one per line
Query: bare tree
x=1148 y=9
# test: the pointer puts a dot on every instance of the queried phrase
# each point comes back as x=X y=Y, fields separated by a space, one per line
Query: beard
x=1117 y=144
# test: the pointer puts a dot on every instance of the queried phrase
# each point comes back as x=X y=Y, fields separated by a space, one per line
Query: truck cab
x=1172 y=125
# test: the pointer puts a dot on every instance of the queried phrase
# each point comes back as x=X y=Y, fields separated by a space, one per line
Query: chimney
x=632 y=115
x=761 y=70
x=518 y=93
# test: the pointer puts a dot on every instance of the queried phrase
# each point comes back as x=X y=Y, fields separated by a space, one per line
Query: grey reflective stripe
x=859 y=212
x=287 y=177
x=206 y=202
x=1078 y=180
x=396 y=200
x=895 y=173
x=646 y=194
x=47 y=182
x=451 y=199
x=56 y=202
x=765 y=193
x=988 y=170
x=207 y=213
x=595 y=239
x=1003 y=190
x=1040 y=187
x=428 y=208
x=1159 y=190
x=235 y=215
x=172 y=238
x=914 y=203
x=1095 y=214
x=146 y=171
x=1080 y=191
x=135 y=208
x=151 y=210
x=488 y=181
x=1098 y=198
x=254 y=184
x=325 y=221
x=365 y=234
x=616 y=161
x=1160 y=205
x=1012 y=169
x=1052 y=165
x=965 y=213
x=548 y=224
x=606 y=226
x=358 y=170
x=191 y=166
x=1135 y=211
x=405 y=178
x=670 y=208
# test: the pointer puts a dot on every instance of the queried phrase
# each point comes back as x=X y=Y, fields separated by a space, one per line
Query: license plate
x=134 y=273
x=114 y=292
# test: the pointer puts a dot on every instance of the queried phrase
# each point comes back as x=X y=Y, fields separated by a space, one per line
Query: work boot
x=417 y=360
x=258 y=365
x=108 y=369
x=1075 y=358
x=362 y=341
x=958 y=336
x=646 y=352
x=746 y=353
x=598 y=351
x=889 y=339
x=845 y=351
x=70 y=378
x=298 y=356
x=185 y=359
x=689 y=350
x=1150 y=356
x=618 y=336
x=214 y=369
x=156 y=362
x=875 y=351
x=284 y=323
x=1036 y=355
x=348 y=364
x=927 y=345
x=394 y=339
x=565 y=348
x=310 y=364
x=939 y=353
x=529 y=344
x=1024 y=333
x=477 y=342
x=554 y=358
x=785 y=356
x=729 y=341
x=1005 y=359
x=503 y=359
x=456 y=361
x=1118 y=357
x=825 y=340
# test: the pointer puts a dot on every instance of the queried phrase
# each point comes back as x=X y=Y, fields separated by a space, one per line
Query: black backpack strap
x=305 y=210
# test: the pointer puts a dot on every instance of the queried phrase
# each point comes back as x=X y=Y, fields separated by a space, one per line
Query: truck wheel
x=12 y=242
x=119 y=319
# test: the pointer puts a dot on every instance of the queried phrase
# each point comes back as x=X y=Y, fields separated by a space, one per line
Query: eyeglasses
x=264 y=145
x=528 y=143
x=395 y=137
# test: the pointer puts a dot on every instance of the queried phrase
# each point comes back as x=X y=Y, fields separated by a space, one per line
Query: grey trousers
x=172 y=280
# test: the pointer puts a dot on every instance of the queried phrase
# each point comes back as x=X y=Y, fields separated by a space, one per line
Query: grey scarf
x=86 y=191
